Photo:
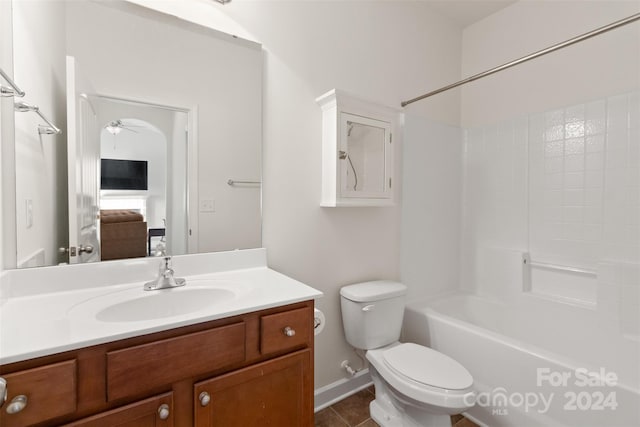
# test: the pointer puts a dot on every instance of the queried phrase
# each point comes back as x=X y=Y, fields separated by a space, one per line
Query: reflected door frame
x=192 y=162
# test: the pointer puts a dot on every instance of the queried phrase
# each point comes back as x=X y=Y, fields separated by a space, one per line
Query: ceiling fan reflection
x=114 y=127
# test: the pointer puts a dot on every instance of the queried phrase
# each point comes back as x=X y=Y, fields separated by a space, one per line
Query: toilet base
x=384 y=418
x=393 y=418
x=389 y=411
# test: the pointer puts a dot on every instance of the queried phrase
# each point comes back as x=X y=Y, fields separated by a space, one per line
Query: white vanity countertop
x=39 y=324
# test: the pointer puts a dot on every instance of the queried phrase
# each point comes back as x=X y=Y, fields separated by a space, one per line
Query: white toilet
x=415 y=385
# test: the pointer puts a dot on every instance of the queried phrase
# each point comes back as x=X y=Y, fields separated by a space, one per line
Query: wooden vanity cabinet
x=246 y=370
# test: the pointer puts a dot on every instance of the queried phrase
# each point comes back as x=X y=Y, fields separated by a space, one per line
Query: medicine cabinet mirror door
x=364 y=158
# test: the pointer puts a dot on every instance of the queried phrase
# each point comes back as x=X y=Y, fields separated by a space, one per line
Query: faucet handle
x=165 y=277
x=165 y=267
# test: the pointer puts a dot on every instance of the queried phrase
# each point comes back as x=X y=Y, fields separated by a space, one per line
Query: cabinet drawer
x=136 y=370
x=50 y=391
x=153 y=412
x=286 y=330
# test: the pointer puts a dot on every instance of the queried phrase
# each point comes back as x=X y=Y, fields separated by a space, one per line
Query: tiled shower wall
x=584 y=182
x=563 y=185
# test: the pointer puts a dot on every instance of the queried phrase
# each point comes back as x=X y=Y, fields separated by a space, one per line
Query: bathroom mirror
x=151 y=75
x=364 y=161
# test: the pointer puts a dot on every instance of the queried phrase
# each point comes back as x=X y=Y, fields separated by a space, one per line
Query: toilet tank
x=372 y=313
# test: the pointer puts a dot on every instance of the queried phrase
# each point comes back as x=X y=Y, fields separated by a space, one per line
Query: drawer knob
x=3 y=391
x=289 y=331
x=163 y=411
x=17 y=404
x=204 y=398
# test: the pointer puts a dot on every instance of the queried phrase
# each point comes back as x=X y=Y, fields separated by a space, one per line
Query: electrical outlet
x=207 y=205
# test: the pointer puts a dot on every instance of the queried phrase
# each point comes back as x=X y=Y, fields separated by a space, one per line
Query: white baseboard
x=338 y=390
x=474 y=419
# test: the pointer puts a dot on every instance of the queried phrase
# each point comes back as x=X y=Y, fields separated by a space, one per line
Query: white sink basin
x=138 y=305
x=164 y=303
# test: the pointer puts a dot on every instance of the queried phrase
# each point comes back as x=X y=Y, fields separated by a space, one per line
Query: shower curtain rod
x=550 y=49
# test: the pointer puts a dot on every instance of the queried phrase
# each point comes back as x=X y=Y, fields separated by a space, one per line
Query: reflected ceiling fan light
x=113 y=130
x=115 y=126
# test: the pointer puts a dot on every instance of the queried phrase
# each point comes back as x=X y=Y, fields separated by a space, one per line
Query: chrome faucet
x=165 y=278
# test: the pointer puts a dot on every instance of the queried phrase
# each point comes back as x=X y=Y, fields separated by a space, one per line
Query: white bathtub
x=535 y=362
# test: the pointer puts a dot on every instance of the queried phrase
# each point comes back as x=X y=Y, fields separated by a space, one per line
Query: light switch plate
x=207 y=205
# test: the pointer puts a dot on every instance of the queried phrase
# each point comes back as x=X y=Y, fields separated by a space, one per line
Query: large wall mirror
x=160 y=150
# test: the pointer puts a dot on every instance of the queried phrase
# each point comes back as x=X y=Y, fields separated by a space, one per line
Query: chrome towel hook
x=50 y=129
x=14 y=90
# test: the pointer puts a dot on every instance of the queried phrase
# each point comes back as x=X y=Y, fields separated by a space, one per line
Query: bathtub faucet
x=165 y=277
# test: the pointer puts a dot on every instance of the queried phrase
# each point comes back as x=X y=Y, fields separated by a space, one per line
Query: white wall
x=431 y=208
x=177 y=196
x=7 y=165
x=495 y=209
x=39 y=68
x=593 y=69
x=385 y=51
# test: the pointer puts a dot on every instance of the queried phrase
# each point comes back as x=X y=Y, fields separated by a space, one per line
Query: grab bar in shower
x=50 y=129
x=526 y=260
x=234 y=182
x=14 y=90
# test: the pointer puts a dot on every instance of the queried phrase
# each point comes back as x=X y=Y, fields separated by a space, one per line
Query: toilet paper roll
x=318 y=321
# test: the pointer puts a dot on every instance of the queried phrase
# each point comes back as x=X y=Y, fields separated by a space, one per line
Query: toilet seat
x=427 y=366
x=451 y=399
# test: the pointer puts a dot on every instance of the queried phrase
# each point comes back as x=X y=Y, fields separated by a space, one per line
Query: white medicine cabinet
x=357 y=151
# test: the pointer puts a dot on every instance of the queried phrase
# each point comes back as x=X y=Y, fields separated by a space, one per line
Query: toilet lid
x=427 y=366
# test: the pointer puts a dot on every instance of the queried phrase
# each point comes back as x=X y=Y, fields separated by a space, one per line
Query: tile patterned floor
x=350 y=412
x=354 y=412
x=460 y=421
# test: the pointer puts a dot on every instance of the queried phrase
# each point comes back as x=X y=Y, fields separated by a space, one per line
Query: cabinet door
x=153 y=412
x=275 y=393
